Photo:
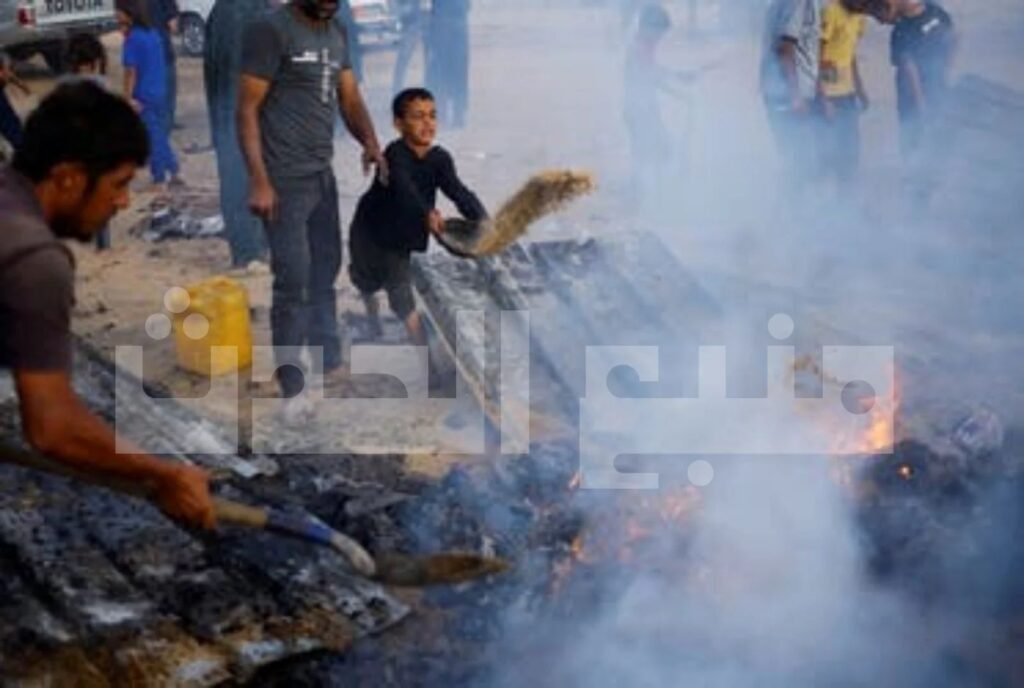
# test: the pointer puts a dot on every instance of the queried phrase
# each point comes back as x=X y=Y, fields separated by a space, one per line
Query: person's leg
x=460 y=75
x=323 y=237
x=10 y=123
x=290 y=263
x=400 y=299
x=406 y=47
x=153 y=120
x=366 y=272
x=172 y=80
x=242 y=229
x=847 y=139
x=372 y=306
x=442 y=71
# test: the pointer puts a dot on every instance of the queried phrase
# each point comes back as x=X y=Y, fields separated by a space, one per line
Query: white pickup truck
x=43 y=26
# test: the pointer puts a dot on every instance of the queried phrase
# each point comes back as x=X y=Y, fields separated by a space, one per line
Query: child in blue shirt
x=145 y=86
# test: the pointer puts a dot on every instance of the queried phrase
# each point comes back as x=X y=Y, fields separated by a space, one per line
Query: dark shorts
x=374 y=267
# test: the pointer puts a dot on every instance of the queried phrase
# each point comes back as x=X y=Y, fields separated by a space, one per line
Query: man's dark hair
x=404 y=99
x=81 y=123
x=137 y=11
x=86 y=49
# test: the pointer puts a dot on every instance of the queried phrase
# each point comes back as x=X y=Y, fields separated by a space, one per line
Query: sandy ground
x=545 y=93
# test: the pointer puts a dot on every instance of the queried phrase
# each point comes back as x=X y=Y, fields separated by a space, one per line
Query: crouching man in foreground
x=79 y=153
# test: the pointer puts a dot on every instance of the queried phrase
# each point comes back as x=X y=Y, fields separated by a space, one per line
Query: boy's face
x=418 y=126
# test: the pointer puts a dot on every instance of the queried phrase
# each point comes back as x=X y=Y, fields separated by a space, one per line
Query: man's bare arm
x=58 y=424
x=858 y=82
x=787 y=57
x=252 y=93
x=358 y=121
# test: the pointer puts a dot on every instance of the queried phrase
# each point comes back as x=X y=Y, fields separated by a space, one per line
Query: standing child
x=87 y=59
x=10 y=123
x=145 y=86
x=921 y=49
x=841 y=95
x=394 y=219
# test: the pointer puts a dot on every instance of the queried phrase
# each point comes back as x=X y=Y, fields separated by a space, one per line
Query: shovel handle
x=226 y=510
x=239 y=514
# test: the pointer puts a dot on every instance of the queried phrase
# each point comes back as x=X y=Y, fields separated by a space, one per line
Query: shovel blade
x=439 y=569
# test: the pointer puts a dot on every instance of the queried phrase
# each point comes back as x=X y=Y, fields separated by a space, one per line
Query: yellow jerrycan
x=216 y=315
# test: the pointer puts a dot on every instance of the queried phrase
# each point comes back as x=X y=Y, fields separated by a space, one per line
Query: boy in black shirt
x=921 y=49
x=395 y=218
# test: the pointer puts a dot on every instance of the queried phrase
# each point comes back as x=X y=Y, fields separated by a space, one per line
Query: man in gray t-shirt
x=789 y=78
x=296 y=74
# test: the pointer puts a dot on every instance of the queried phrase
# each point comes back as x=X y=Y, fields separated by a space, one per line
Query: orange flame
x=879 y=431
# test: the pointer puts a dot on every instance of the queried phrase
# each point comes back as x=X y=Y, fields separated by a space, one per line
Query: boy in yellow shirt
x=841 y=95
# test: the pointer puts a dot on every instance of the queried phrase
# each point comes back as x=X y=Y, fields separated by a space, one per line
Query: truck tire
x=193 y=34
x=54 y=54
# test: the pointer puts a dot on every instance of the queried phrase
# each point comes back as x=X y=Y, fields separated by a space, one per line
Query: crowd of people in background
x=812 y=87
x=273 y=112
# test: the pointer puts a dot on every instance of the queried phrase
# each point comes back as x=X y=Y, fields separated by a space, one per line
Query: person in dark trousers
x=222 y=70
x=296 y=75
x=86 y=58
x=412 y=20
x=448 y=60
x=72 y=173
x=10 y=123
x=841 y=93
x=145 y=84
x=392 y=220
x=922 y=46
x=164 y=16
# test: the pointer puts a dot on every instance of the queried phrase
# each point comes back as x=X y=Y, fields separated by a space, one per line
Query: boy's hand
x=435 y=222
x=184 y=494
x=262 y=199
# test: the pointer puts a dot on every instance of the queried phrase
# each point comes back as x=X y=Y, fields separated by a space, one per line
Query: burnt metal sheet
x=626 y=290
x=101 y=588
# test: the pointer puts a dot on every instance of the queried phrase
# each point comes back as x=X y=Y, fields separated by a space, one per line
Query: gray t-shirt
x=37 y=283
x=798 y=21
x=303 y=64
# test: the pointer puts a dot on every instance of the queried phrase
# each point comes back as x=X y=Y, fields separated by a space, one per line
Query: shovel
x=390 y=569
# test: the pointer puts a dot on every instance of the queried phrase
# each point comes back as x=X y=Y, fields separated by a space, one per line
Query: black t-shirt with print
x=926 y=42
